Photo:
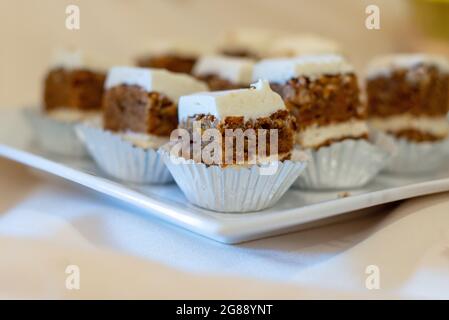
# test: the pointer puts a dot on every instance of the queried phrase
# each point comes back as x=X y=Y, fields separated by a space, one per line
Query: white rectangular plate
x=293 y=211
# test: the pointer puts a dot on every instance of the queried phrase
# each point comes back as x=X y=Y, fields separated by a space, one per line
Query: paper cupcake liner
x=232 y=189
x=122 y=160
x=446 y=148
x=55 y=136
x=412 y=157
x=343 y=165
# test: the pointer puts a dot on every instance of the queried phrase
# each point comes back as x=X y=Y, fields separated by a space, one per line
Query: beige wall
x=119 y=28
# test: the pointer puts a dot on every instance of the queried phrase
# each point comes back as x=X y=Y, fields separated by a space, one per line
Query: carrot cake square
x=256 y=110
x=144 y=101
x=247 y=42
x=74 y=83
x=322 y=93
x=175 y=56
x=224 y=73
x=408 y=96
x=302 y=44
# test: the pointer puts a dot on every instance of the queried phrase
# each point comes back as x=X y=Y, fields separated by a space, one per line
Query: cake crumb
x=343 y=194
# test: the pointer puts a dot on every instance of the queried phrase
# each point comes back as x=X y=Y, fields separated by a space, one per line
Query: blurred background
x=121 y=29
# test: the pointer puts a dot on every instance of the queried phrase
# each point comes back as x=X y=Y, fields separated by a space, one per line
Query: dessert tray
x=296 y=210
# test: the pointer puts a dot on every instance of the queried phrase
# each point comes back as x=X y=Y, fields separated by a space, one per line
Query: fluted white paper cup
x=234 y=188
x=55 y=136
x=348 y=164
x=413 y=157
x=446 y=148
x=121 y=159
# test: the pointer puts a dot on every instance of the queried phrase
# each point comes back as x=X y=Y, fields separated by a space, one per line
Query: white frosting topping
x=258 y=101
x=66 y=114
x=437 y=126
x=77 y=59
x=385 y=64
x=249 y=39
x=235 y=70
x=282 y=70
x=144 y=140
x=173 y=85
x=316 y=135
x=180 y=47
x=299 y=45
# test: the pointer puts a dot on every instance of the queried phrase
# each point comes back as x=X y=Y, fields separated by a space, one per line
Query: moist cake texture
x=217 y=83
x=224 y=73
x=175 y=56
x=302 y=44
x=408 y=96
x=170 y=62
x=247 y=42
x=227 y=111
x=131 y=108
x=145 y=101
x=74 y=82
x=322 y=93
x=73 y=89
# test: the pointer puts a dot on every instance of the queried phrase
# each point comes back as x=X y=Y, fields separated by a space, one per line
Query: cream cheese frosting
x=78 y=59
x=388 y=63
x=253 y=40
x=178 y=47
x=258 y=101
x=303 y=44
x=316 y=135
x=233 y=69
x=173 y=85
x=437 y=126
x=66 y=114
x=139 y=139
x=283 y=69
x=144 y=140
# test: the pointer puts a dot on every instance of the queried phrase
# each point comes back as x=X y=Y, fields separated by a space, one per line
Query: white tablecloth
x=47 y=224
